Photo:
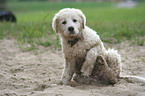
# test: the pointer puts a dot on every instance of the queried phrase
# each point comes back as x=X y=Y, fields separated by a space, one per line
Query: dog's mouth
x=72 y=33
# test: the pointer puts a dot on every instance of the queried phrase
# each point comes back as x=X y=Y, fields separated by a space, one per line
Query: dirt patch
x=31 y=74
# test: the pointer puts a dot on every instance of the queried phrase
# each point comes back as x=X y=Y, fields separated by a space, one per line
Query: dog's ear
x=55 y=24
x=83 y=19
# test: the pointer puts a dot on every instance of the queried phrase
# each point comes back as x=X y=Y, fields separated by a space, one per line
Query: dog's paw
x=60 y=83
x=64 y=82
x=85 y=72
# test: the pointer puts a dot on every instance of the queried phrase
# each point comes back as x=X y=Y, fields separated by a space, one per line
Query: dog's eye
x=74 y=20
x=64 y=22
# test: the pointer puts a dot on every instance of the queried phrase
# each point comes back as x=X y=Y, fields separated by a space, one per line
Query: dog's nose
x=71 y=28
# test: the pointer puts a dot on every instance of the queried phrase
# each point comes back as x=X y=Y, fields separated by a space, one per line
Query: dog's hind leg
x=107 y=67
x=103 y=72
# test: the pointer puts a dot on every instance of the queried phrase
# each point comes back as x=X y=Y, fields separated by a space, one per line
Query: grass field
x=114 y=25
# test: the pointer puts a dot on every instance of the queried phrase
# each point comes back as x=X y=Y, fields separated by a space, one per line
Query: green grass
x=103 y=12
x=113 y=24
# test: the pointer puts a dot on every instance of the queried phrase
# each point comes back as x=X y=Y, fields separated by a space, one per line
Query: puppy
x=83 y=49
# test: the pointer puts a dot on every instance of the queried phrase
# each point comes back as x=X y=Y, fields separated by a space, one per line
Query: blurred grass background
x=34 y=18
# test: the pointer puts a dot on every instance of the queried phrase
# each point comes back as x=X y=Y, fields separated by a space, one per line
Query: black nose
x=71 y=28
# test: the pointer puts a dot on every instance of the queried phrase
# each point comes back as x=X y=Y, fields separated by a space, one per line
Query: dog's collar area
x=73 y=42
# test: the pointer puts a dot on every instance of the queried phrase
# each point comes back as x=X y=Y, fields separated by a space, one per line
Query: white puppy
x=82 y=46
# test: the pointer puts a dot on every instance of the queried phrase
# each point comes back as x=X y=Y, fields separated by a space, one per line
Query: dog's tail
x=134 y=79
x=131 y=78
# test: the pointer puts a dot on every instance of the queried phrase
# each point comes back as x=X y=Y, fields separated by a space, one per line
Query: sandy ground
x=31 y=74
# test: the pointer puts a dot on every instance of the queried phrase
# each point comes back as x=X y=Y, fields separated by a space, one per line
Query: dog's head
x=69 y=22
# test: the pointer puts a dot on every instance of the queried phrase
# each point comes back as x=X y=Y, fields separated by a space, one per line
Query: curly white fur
x=88 y=48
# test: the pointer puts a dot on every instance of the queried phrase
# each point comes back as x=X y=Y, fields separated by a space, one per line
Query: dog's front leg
x=68 y=71
x=91 y=56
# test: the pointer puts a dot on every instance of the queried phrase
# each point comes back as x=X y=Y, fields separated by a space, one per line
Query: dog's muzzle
x=71 y=30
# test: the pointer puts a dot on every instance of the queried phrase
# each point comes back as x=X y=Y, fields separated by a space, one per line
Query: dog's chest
x=79 y=56
x=77 y=52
